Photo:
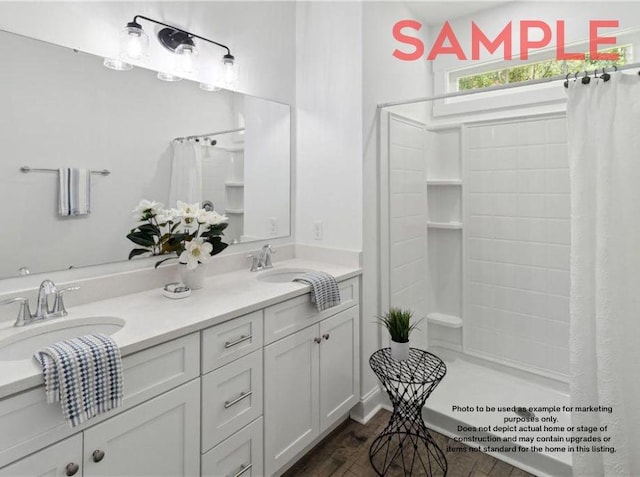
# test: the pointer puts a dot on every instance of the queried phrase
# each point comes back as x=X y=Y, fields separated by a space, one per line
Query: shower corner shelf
x=234 y=211
x=234 y=184
x=445 y=225
x=444 y=182
x=443 y=319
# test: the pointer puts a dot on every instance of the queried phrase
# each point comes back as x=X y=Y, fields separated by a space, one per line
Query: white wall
x=261 y=35
x=329 y=123
x=64 y=109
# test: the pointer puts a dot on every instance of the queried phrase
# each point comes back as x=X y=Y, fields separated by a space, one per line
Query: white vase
x=399 y=351
x=194 y=279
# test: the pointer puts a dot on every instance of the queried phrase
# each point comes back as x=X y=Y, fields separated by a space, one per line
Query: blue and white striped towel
x=84 y=374
x=324 y=289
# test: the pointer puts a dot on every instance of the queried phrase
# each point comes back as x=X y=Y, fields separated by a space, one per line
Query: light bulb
x=229 y=74
x=168 y=77
x=134 y=43
x=116 y=64
x=186 y=59
x=209 y=87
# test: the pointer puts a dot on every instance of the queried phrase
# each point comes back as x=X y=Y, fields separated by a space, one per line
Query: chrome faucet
x=47 y=288
x=265 y=256
x=261 y=260
x=43 y=310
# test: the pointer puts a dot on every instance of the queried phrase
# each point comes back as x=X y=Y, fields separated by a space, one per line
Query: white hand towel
x=74 y=191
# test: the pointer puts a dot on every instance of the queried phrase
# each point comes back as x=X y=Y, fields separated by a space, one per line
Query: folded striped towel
x=74 y=191
x=324 y=289
x=84 y=374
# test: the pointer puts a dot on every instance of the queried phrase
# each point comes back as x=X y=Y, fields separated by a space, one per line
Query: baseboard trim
x=367 y=407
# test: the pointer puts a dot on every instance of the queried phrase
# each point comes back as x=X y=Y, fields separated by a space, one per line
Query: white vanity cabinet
x=157 y=438
x=241 y=398
x=59 y=460
x=311 y=381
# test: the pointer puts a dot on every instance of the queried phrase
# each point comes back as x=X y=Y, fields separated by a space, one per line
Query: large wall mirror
x=63 y=109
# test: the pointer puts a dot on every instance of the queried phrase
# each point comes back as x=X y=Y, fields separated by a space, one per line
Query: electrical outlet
x=317 y=230
x=273 y=226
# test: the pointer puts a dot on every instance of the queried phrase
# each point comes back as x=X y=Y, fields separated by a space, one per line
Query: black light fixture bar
x=228 y=56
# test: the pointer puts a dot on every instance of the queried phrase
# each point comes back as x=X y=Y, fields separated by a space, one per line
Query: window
x=539 y=69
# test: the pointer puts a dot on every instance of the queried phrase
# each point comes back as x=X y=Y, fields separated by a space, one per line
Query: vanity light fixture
x=209 y=87
x=116 y=64
x=134 y=47
x=168 y=77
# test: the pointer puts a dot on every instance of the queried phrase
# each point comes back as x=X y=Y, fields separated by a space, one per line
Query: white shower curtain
x=186 y=173
x=604 y=147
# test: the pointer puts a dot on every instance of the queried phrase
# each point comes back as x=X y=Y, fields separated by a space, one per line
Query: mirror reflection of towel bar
x=25 y=169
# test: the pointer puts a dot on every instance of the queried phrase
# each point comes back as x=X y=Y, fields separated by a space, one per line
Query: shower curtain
x=604 y=141
x=186 y=173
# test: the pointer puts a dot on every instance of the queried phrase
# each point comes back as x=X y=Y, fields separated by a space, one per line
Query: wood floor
x=345 y=452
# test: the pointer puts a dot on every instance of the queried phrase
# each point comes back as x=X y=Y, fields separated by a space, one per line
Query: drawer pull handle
x=326 y=336
x=228 y=404
x=242 y=339
x=97 y=455
x=71 y=469
x=243 y=469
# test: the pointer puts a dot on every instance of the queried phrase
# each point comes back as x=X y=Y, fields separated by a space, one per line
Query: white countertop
x=152 y=319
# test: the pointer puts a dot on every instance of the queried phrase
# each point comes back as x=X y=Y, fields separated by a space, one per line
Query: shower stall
x=475 y=239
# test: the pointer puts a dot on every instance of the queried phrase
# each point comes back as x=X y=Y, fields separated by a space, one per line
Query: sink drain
x=524 y=412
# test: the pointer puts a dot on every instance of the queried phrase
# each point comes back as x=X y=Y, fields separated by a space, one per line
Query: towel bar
x=25 y=169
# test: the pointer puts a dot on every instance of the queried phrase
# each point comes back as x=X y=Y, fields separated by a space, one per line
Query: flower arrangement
x=192 y=233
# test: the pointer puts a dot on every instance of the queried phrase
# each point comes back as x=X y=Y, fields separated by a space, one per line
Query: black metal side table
x=406 y=440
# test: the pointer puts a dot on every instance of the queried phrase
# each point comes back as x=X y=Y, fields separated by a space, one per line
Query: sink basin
x=17 y=345
x=282 y=275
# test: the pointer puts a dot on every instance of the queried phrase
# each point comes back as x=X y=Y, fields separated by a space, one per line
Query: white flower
x=189 y=211
x=210 y=217
x=165 y=215
x=146 y=209
x=196 y=251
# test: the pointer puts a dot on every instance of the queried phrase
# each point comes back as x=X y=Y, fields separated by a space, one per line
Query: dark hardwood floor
x=345 y=452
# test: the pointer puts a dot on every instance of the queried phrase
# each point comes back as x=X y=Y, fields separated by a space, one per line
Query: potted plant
x=190 y=233
x=398 y=324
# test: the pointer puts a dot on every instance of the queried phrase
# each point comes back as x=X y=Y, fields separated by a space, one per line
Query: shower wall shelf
x=234 y=211
x=445 y=225
x=234 y=184
x=444 y=182
x=450 y=321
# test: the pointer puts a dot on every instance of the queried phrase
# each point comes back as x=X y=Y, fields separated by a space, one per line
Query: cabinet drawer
x=228 y=341
x=231 y=398
x=34 y=424
x=292 y=315
x=240 y=455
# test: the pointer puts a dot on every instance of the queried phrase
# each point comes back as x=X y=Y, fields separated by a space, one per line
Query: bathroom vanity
x=241 y=378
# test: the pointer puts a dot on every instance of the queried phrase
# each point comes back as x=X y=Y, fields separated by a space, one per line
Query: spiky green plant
x=398 y=323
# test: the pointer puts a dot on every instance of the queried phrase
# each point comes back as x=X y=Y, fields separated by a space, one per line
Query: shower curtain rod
x=551 y=79
x=189 y=138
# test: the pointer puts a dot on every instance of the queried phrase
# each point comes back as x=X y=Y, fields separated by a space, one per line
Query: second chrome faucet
x=261 y=260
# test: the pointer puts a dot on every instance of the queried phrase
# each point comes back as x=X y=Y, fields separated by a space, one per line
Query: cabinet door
x=59 y=460
x=158 y=438
x=339 y=365
x=291 y=411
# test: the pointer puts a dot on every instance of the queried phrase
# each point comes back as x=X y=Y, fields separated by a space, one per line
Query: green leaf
x=141 y=238
x=138 y=251
x=217 y=244
x=150 y=229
